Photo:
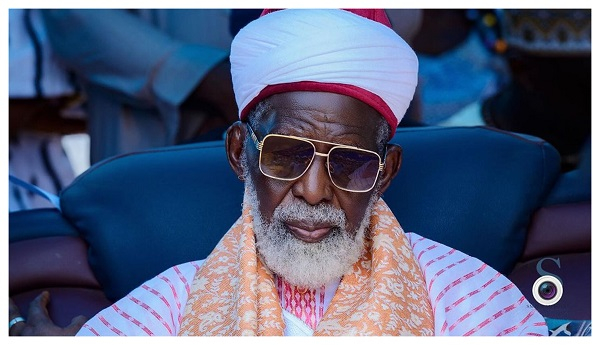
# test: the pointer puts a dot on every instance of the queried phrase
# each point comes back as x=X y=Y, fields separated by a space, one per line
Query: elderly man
x=316 y=250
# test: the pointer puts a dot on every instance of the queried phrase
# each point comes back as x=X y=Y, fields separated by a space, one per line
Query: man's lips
x=309 y=233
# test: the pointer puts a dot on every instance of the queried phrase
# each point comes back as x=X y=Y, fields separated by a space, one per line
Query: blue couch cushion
x=145 y=212
x=471 y=188
x=38 y=223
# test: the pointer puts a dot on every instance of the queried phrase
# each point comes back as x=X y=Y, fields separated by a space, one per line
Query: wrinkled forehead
x=321 y=116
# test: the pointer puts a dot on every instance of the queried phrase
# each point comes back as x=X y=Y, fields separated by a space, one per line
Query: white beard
x=303 y=264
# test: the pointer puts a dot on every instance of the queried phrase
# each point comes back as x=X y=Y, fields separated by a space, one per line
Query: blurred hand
x=38 y=321
x=211 y=105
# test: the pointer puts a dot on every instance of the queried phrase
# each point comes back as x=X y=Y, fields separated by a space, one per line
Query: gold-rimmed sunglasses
x=286 y=157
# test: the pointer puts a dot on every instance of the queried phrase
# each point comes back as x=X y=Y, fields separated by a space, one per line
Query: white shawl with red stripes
x=467 y=296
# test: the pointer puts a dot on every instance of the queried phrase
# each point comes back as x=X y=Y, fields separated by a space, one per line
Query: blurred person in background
x=549 y=93
x=44 y=105
x=455 y=68
x=152 y=77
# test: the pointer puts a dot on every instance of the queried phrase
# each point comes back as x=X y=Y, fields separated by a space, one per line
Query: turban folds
x=327 y=50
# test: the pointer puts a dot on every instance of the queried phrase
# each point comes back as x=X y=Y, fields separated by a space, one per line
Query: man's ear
x=234 y=145
x=393 y=161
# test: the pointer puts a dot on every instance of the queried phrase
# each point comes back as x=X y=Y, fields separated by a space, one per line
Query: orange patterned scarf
x=233 y=293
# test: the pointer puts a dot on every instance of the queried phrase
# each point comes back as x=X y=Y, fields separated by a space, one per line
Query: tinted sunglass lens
x=352 y=169
x=285 y=158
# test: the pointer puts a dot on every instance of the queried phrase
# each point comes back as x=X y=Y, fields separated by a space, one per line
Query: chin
x=310 y=265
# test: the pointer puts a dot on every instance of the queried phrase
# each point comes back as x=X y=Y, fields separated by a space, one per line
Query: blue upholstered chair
x=128 y=218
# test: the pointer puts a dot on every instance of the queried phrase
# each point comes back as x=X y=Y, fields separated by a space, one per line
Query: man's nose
x=314 y=186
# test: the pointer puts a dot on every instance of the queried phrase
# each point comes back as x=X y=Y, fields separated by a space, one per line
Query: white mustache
x=301 y=211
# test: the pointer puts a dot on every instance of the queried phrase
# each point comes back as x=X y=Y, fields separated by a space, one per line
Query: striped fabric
x=306 y=304
x=470 y=298
x=467 y=297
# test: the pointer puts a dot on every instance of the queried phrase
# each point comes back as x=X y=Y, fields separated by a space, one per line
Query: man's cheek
x=271 y=197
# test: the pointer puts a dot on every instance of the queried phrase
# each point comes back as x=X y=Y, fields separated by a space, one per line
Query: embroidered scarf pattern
x=384 y=293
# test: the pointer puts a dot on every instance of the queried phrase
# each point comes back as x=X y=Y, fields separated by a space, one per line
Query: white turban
x=327 y=50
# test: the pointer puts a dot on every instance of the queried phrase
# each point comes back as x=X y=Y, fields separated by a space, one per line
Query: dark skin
x=38 y=321
x=313 y=115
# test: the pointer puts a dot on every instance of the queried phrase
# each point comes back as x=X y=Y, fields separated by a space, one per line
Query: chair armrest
x=559 y=229
x=49 y=262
